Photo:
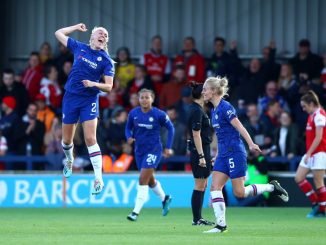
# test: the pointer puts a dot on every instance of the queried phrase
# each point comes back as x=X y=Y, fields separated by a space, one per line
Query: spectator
x=286 y=137
x=9 y=122
x=64 y=72
x=32 y=132
x=32 y=75
x=133 y=102
x=50 y=87
x=171 y=91
x=180 y=138
x=271 y=93
x=157 y=64
x=193 y=61
x=254 y=126
x=269 y=67
x=323 y=72
x=116 y=140
x=183 y=105
x=125 y=69
x=111 y=108
x=15 y=89
x=306 y=65
x=286 y=78
x=225 y=64
x=63 y=55
x=252 y=78
x=53 y=148
x=270 y=120
x=44 y=113
x=46 y=53
x=141 y=81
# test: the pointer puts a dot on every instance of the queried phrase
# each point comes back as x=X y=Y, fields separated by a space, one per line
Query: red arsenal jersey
x=318 y=118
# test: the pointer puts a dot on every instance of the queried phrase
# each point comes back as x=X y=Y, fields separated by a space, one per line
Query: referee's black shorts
x=198 y=171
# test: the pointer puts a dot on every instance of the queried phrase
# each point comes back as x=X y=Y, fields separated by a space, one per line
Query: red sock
x=322 y=198
x=307 y=189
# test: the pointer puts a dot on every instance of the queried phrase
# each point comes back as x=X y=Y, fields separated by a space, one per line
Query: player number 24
x=151 y=158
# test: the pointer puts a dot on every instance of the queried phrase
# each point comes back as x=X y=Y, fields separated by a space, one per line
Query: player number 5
x=231 y=162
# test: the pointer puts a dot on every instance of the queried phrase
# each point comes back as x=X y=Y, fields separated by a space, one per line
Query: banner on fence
x=40 y=190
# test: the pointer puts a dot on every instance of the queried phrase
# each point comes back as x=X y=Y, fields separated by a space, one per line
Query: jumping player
x=80 y=102
x=315 y=158
x=143 y=127
x=231 y=160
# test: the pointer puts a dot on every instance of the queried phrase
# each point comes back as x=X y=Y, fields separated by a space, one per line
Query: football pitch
x=110 y=226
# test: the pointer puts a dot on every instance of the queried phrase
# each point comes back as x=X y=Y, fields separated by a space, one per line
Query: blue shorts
x=234 y=165
x=78 y=108
x=148 y=160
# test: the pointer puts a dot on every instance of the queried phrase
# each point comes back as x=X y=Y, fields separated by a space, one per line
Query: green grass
x=110 y=226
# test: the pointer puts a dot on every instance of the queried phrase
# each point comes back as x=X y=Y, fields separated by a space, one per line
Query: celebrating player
x=231 y=160
x=200 y=154
x=80 y=102
x=315 y=157
x=143 y=128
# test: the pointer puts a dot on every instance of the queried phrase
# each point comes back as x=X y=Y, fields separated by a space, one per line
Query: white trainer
x=97 y=187
x=67 y=168
x=217 y=229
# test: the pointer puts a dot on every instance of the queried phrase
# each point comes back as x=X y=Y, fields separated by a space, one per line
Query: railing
x=9 y=159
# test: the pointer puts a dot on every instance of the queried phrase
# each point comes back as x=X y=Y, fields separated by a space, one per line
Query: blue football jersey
x=227 y=136
x=88 y=64
x=146 y=128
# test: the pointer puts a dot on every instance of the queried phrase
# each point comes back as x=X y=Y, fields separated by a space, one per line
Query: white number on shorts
x=93 y=107
x=231 y=163
x=151 y=159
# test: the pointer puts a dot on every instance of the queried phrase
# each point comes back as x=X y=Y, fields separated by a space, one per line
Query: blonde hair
x=311 y=97
x=145 y=90
x=219 y=84
x=94 y=30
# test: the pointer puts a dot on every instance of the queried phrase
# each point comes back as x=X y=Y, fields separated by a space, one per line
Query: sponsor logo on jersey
x=90 y=63
x=143 y=125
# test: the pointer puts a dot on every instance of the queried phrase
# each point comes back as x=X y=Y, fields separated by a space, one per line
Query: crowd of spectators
x=266 y=94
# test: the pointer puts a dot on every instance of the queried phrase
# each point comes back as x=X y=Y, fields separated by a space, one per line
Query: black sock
x=196 y=203
x=202 y=195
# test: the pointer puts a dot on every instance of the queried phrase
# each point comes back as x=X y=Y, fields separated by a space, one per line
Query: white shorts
x=316 y=161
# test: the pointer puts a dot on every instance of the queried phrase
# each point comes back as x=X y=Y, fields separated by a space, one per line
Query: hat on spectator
x=40 y=97
x=9 y=101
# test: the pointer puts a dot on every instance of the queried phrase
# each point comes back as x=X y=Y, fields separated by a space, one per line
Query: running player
x=231 y=160
x=143 y=127
x=80 y=102
x=201 y=132
x=315 y=158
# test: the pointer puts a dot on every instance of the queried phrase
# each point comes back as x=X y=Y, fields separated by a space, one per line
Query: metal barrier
x=8 y=159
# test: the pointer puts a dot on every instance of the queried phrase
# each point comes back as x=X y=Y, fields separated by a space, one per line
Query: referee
x=200 y=131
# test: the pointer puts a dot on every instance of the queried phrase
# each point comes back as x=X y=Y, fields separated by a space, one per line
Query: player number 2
x=93 y=107
x=151 y=159
x=231 y=162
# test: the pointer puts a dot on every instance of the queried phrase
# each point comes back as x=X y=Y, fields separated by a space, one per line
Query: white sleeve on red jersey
x=320 y=120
